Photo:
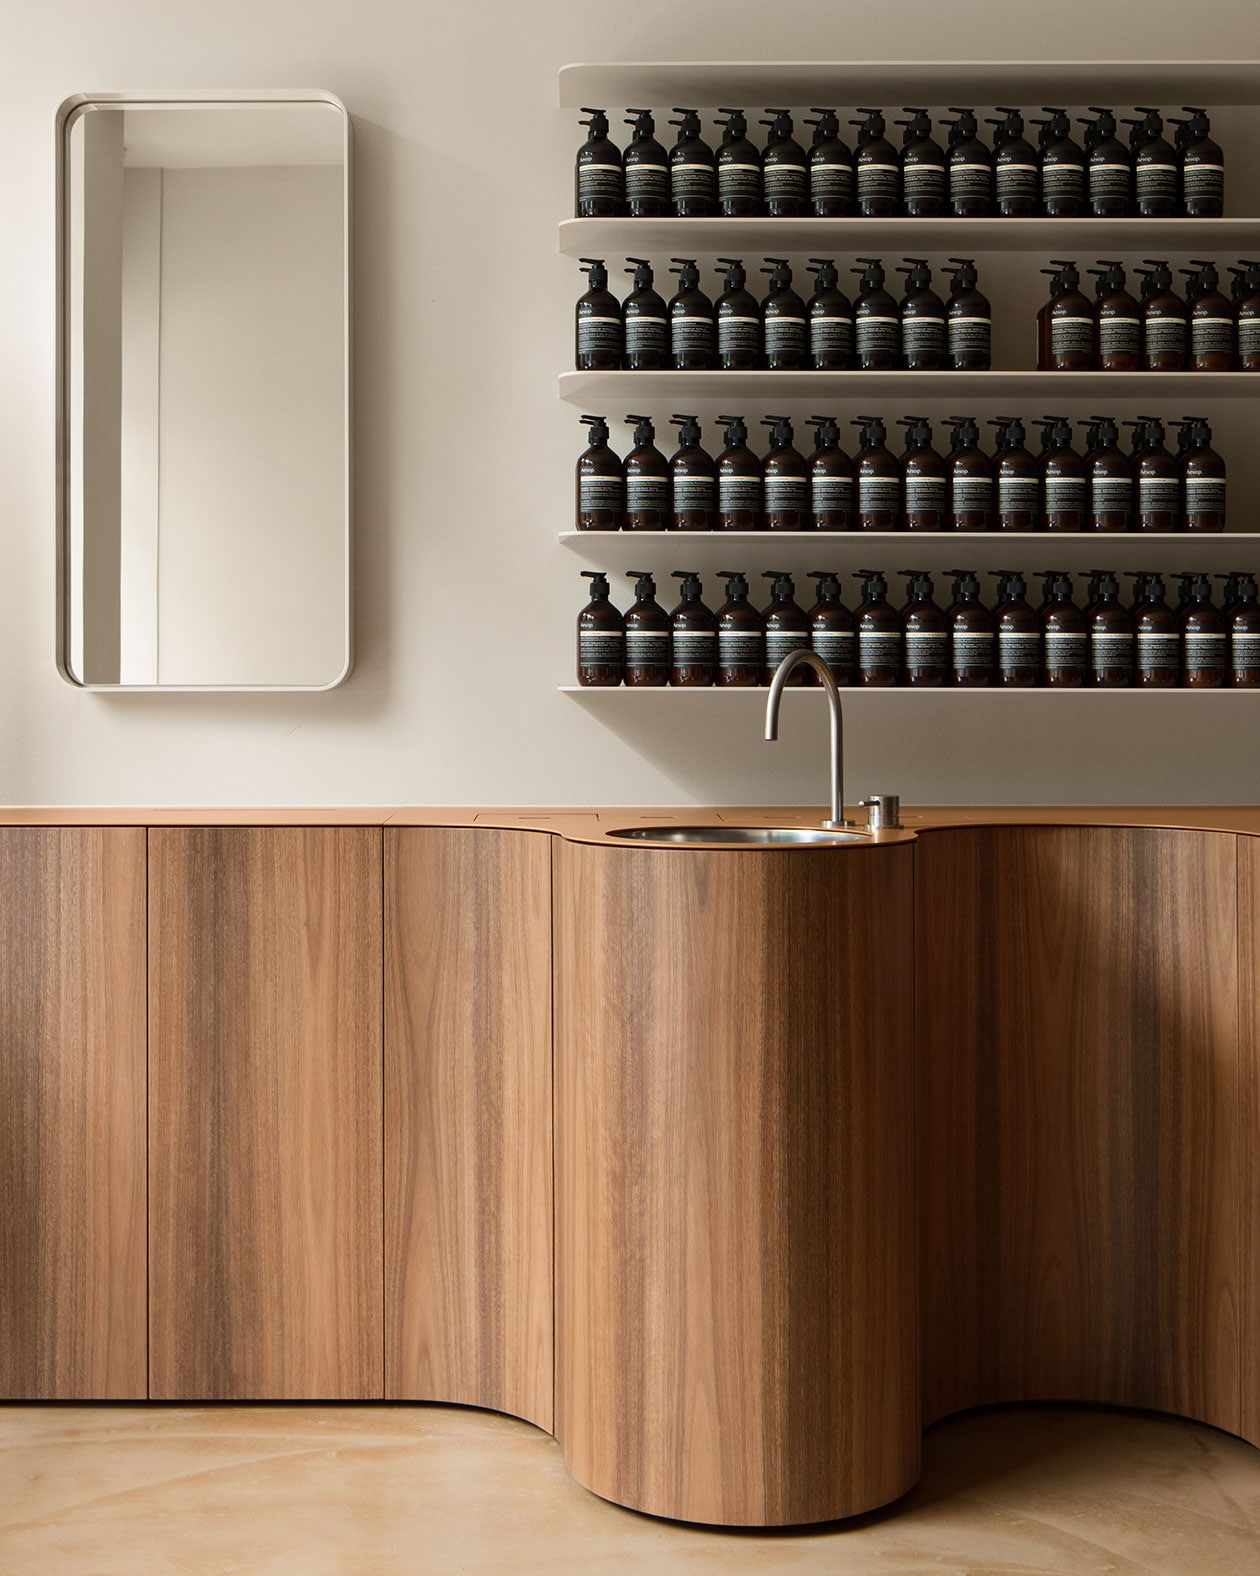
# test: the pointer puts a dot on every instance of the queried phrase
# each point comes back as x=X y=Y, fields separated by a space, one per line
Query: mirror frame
x=65 y=111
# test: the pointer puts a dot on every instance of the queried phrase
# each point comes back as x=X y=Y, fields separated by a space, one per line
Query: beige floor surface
x=395 y=1491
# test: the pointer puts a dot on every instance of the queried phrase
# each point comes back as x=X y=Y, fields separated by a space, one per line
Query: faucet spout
x=811 y=659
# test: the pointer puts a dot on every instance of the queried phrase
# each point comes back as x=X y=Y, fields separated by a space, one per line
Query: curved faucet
x=813 y=660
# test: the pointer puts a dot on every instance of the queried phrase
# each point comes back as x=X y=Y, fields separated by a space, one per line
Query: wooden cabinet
x=468 y=1118
x=1082 y=1162
x=72 y=1100
x=265 y=1113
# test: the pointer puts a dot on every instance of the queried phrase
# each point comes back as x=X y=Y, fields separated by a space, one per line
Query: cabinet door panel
x=72 y=1049
x=265 y=1113
x=468 y=1118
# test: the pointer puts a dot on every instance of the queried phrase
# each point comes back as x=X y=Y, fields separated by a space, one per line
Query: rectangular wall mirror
x=204 y=391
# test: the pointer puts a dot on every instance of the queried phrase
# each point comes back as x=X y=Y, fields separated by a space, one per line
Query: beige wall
x=465 y=600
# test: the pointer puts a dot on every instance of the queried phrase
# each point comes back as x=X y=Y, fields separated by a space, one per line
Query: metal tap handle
x=883 y=810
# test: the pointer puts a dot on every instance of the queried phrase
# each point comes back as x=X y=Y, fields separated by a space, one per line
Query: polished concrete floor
x=391 y=1491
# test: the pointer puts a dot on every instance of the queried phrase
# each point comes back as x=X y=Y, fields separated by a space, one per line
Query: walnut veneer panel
x=468 y=1119
x=1249 y=1043
x=265 y=1113
x=72 y=1096
x=736 y=1331
x=1080 y=1156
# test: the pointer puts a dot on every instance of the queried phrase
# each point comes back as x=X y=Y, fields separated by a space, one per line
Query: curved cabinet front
x=737 y=1330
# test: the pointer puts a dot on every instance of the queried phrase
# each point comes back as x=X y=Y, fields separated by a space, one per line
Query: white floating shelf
x=846 y=238
x=844 y=84
x=1176 y=540
x=629 y=390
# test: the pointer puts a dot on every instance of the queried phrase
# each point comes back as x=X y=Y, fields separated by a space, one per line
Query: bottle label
x=646 y=335
x=1212 y=336
x=1155 y=182
x=692 y=180
x=601 y=648
x=969 y=336
x=598 y=180
x=878 y=648
x=1204 y=650
x=597 y=334
x=647 y=648
x=1065 y=494
x=1015 y=182
x=830 y=180
x=1061 y=182
x=878 y=181
x=1159 y=495
x=1019 y=650
x=739 y=180
x=1205 y=495
x=1108 y=181
x=1110 y=648
x=832 y=494
x=972 y=495
x=926 y=649
x=837 y=648
x=599 y=494
x=1111 y=494
x=1119 y=336
x=738 y=335
x=973 y=648
x=1158 y=650
x=923 y=336
x=784 y=182
x=924 y=182
x=1065 y=649
x=1071 y=335
x=925 y=494
x=1249 y=336
x=647 y=494
x=1165 y=336
x=784 y=333
x=1201 y=182
x=878 y=494
x=693 y=493
x=786 y=494
x=779 y=642
x=877 y=336
x=1246 y=650
x=969 y=181
x=647 y=181
x=740 y=648
x=693 y=648
x=739 y=494
x=1018 y=495
x=690 y=333
x=829 y=335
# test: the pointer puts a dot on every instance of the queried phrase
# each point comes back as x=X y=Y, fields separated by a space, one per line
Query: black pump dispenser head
x=1208 y=276
x=874 y=585
x=1197 y=126
x=597 y=125
x=691 y=588
x=870 y=128
x=1106 y=583
x=1156 y=278
x=918 y=584
x=1058 y=585
x=826 y=431
x=873 y=431
x=642 y=121
x=965 y=434
x=919 y=124
x=599 y=583
x=688 y=430
x=965 y=276
x=826 y=275
x=1011 y=432
x=826 y=126
x=918 y=274
x=965 y=126
x=781 y=433
x=1111 y=276
x=828 y=587
x=780 y=273
x=1108 y=432
x=736 y=274
x=736 y=584
x=599 y=428
x=687 y=271
x=781 y=123
x=688 y=125
x=872 y=273
x=966 y=583
x=1012 y=125
x=1011 y=583
x=1057 y=127
x=644 y=585
x=736 y=123
x=1104 y=126
x=736 y=431
x=596 y=271
x=1069 y=276
x=642 y=272
x=784 y=587
x=644 y=431
x=918 y=433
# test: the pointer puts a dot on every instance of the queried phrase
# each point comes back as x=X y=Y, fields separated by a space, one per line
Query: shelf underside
x=899 y=689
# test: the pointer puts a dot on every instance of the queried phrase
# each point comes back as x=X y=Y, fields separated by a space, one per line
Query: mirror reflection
x=204 y=290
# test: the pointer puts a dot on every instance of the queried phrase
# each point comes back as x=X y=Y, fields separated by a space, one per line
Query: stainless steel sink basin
x=735 y=834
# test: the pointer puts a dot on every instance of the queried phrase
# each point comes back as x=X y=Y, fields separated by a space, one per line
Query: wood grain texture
x=1079 y=1137
x=266 y=1268
x=468 y=1205
x=735 y=1302
x=72 y=1126
x=1249 y=1120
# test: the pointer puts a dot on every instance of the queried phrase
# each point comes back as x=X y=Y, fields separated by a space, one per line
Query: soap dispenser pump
x=1117 y=320
x=1202 y=166
x=832 y=630
x=784 y=174
x=830 y=314
x=1204 y=638
x=647 y=480
x=1157 y=638
x=972 y=634
x=692 y=170
x=1018 y=478
x=925 y=192
x=1246 y=304
x=922 y=315
x=692 y=326
x=787 y=628
x=1066 y=323
x=876 y=320
x=738 y=169
x=1203 y=478
x=784 y=338
x=1110 y=480
x=879 y=636
x=1155 y=173
x=970 y=478
x=970 y=168
x=646 y=169
x=878 y=478
x=738 y=321
x=878 y=168
x=1016 y=167
x=739 y=480
x=647 y=635
x=925 y=478
x=1064 y=635
x=1110 y=636
x=600 y=497
x=740 y=636
x=968 y=320
x=693 y=479
x=1156 y=478
x=831 y=479
x=600 y=343
x=1064 y=478
x=692 y=636
x=1165 y=332
x=1244 y=636
x=599 y=182
x=1018 y=633
x=1211 y=320
x=786 y=480
x=925 y=633
x=1063 y=188
x=601 y=637
x=1110 y=170
x=831 y=178
x=645 y=322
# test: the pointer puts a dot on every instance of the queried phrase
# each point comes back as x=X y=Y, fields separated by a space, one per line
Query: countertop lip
x=591 y=824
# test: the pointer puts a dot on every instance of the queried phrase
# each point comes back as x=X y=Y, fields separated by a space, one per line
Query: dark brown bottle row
x=873 y=332
x=1206 y=331
x=1060 y=177
x=1103 y=644
x=1104 y=489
